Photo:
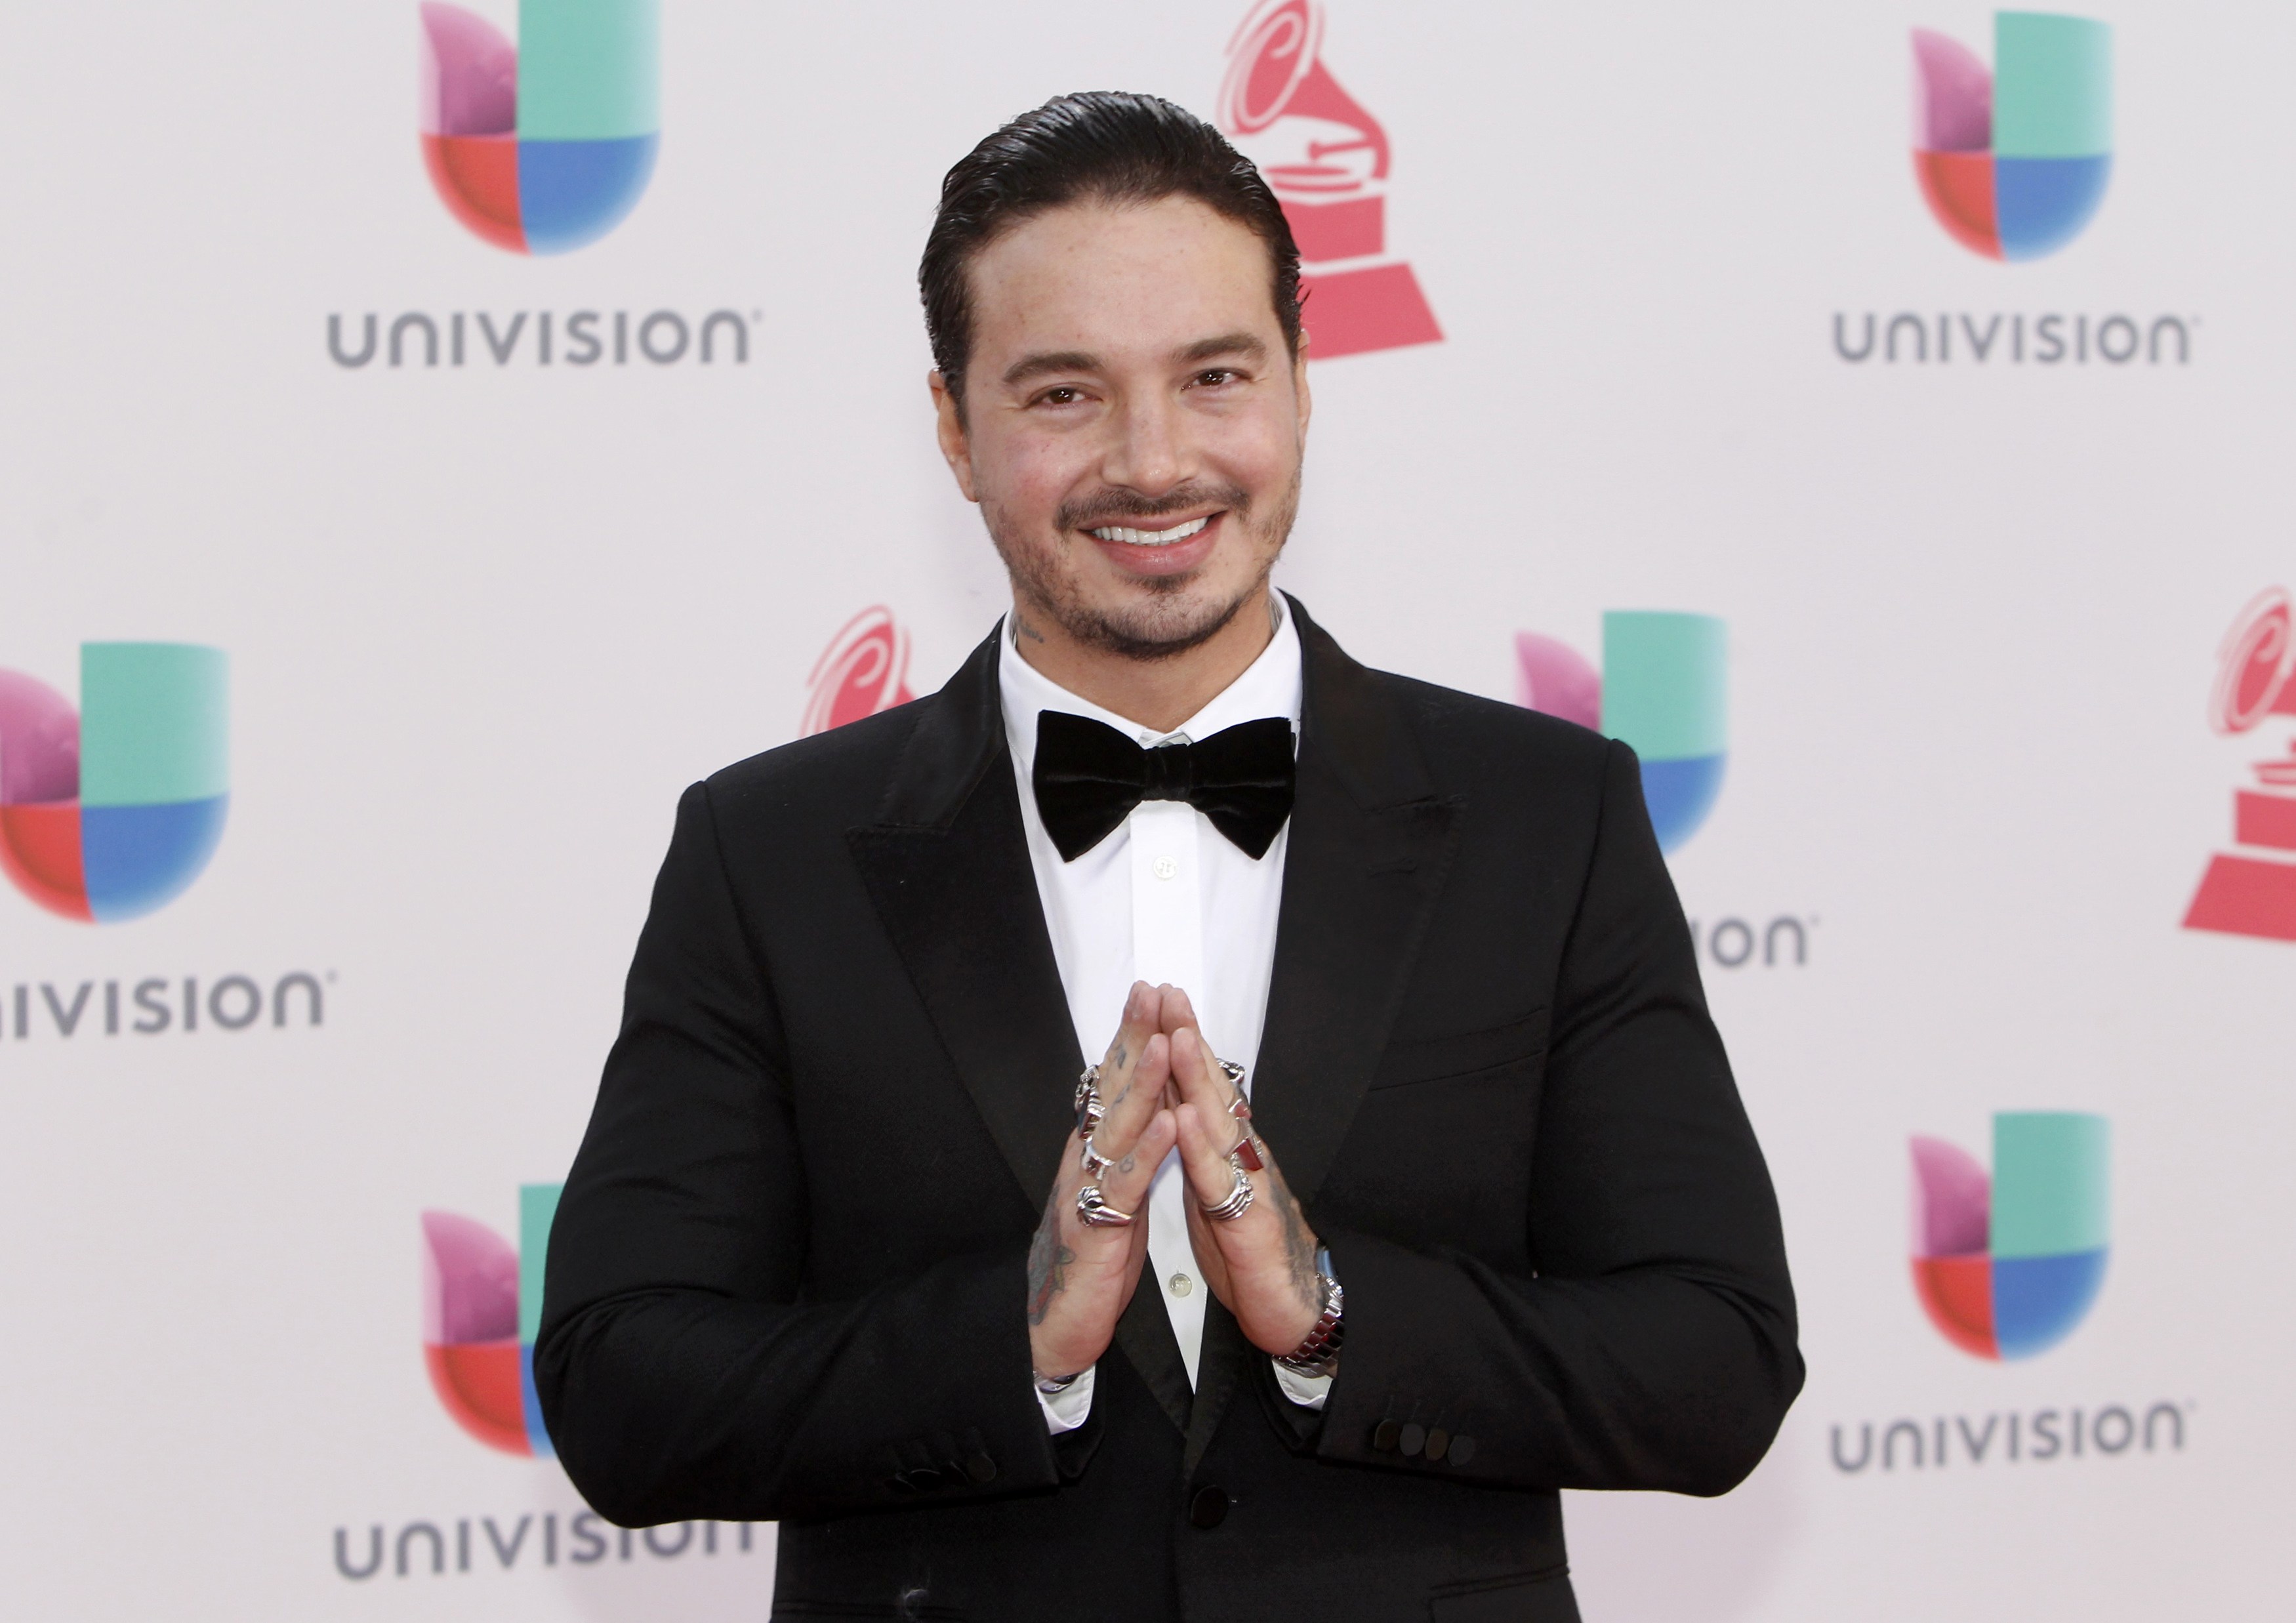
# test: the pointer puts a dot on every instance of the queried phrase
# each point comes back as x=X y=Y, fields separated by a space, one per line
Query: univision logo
x=481 y=1310
x=2014 y=162
x=1662 y=690
x=110 y=812
x=543 y=147
x=2006 y=1266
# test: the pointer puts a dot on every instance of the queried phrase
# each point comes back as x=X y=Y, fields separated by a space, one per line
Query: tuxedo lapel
x=1371 y=844
x=947 y=866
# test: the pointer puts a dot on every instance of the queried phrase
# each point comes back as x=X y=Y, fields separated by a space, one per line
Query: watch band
x=1318 y=1353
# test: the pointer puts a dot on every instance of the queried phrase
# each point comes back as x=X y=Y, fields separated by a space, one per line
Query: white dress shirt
x=1166 y=898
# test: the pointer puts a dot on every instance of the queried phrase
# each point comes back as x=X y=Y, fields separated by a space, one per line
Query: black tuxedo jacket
x=787 y=1281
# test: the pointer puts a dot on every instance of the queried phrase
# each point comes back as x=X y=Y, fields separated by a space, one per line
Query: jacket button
x=1414 y=1439
x=1463 y=1449
x=1438 y=1440
x=1209 y=1509
x=980 y=1467
x=1383 y=1436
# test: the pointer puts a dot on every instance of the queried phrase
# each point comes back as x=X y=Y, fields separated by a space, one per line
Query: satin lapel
x=1143 y=1334
x=1220 y=1368
x=1371 y=842
x=1371 y=845
x=947 y=866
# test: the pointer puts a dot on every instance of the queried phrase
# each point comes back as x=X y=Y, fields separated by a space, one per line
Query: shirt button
x=1164 y=867
x=1181 y=1284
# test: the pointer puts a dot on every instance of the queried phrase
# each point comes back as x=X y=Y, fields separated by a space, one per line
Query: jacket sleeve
x=682 y=1370
x=1653 y=1344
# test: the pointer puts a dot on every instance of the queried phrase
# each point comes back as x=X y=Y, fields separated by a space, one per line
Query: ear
x=948 y=426
x=1299 y=388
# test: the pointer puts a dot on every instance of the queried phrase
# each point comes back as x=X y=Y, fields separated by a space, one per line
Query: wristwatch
x=1051 y=1388
x=1319 y=1353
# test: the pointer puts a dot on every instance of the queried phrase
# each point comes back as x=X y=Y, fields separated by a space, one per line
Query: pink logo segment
x=2251 y=891
x=864 y=670
x=1326 y=158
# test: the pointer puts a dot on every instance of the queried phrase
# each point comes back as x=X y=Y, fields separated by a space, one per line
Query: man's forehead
x=1140 y=279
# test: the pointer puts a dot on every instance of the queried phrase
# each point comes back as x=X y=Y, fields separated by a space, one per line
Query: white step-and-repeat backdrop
x=434 y=437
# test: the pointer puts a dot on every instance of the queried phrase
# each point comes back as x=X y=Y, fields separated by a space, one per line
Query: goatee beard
x=1163 y=627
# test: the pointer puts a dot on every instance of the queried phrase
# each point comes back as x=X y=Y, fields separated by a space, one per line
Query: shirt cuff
x=1071 y=1406
x=1308 y=1391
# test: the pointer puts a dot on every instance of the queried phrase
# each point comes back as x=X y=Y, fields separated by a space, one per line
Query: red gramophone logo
x=865 y=670
x=2251 y=891
x=1327 y=161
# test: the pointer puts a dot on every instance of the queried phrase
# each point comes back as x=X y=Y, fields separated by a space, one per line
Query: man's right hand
x=1080 y=1276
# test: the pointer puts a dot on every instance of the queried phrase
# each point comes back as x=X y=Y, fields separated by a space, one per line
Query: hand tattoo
x=1298 y=1253
x=1048 y=1261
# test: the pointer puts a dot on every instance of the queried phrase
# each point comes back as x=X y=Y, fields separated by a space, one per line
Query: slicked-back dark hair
x=1100 y=146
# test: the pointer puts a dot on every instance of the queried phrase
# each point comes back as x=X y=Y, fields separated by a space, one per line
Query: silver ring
x=1094 y=1162
x=1238 y=1201
x=1095 y=1211
x=1089 y=1108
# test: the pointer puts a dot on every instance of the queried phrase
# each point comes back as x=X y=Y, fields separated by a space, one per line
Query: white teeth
x=1151 y=537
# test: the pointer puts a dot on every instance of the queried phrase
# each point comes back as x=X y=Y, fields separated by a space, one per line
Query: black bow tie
x=1089 y=776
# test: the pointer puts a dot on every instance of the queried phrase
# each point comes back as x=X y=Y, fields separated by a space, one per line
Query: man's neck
x=1158 y=695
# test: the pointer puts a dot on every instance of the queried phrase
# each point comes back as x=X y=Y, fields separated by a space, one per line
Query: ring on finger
x=1238 y=1105
x=1093 y=1210
x=1238 y=1203
x=1094 y=1162
x=1088 y=1108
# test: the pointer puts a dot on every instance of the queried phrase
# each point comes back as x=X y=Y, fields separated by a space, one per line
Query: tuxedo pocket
x=1465 y=1054
x=1540 y=1597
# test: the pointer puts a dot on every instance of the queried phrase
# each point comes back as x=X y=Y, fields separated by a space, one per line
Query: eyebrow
x=1227 y=343
x=1057 y=360
x=1077 y=360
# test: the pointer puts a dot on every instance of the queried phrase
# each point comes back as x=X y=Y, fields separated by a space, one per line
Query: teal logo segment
x=110 y=812
x=1663 y=689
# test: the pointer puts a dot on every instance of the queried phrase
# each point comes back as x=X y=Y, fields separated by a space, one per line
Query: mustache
x=1115 y=503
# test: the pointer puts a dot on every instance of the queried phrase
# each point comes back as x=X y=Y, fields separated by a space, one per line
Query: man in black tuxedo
x=1411 y=1185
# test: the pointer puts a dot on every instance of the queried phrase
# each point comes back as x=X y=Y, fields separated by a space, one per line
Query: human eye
x=1059 y=395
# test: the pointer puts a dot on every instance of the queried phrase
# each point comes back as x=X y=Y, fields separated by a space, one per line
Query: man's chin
x=1156 y=630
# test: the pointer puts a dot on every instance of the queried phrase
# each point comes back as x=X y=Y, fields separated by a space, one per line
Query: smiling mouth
x=1151 y=538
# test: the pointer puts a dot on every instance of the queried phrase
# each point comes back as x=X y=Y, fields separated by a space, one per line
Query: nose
x=1149 y=452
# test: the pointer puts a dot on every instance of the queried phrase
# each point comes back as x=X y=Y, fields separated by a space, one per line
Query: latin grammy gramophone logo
x=2251 y=890
x=865 y=669
x=1327 y=161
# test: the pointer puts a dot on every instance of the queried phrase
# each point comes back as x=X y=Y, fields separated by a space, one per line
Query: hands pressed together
x=1160 y=1086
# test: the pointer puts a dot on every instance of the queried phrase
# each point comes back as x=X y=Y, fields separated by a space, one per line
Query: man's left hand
x=1262 y=1265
